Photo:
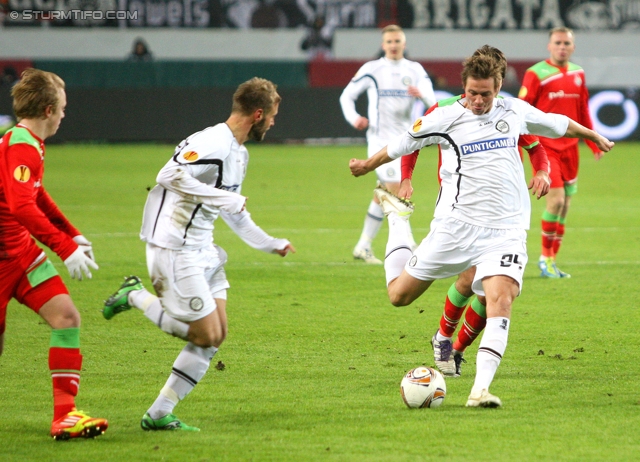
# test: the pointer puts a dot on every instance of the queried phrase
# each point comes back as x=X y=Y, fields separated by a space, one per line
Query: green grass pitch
x=315 y=352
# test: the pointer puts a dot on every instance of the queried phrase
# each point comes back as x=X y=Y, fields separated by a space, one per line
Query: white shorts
x=387 y=173
x=187 y=281
x=452 y=246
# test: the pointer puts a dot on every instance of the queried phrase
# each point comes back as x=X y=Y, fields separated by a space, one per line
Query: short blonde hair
x=256 y=93
x=564 y=30
x=392 y=28
x=34 y=92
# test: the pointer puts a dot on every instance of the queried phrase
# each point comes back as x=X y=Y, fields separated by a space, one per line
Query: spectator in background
x=511 y=79
x=140 y=51
x=318 y=42
x=8 y=77
x=268 y=15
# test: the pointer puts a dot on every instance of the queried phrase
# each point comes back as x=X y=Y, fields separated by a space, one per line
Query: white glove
x=85 y=245
x=78 y=263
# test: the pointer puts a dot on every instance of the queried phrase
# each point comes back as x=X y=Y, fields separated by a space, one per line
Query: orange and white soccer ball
x=423 y=387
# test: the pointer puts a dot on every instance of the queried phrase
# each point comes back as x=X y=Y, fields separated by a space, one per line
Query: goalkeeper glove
x=85 y=245
x=78 y=263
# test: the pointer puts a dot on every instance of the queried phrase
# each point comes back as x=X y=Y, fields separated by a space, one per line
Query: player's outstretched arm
x=361 y=167
x=243 y=225
x=575 y=130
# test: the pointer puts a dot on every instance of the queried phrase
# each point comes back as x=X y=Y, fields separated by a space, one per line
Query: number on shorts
x=508 y=259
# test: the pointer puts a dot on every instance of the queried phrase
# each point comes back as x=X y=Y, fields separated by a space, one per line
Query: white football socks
x=372 y=224
x=152 y=309
x=490 y=352
x=399 y=243
x=188 y=369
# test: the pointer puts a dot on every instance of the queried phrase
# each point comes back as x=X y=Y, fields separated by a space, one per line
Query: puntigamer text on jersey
x=488 y=145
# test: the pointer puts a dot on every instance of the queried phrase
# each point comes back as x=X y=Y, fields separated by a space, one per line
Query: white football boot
x=443 y=356
x=484 y=399
x=393 y=204
x=365 y=254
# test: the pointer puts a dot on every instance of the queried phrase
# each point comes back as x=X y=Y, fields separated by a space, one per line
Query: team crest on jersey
x=22 y=173
x=190 y=156
x=502 y=126
x=406 y=80
x=196 y=304
x=417 y=124
x=391 y=172
x=578 y=81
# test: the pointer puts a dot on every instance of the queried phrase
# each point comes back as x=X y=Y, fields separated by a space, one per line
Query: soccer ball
x=423 y=387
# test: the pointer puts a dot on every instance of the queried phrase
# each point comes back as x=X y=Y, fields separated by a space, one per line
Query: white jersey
x=483 y=176
x=389 y=104
x=201 y=181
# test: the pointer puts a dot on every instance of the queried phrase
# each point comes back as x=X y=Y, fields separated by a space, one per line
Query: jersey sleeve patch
x=417 y=124
x=22 y=173
x=190 y=156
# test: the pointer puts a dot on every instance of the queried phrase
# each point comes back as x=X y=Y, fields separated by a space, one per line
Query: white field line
x=349 y=230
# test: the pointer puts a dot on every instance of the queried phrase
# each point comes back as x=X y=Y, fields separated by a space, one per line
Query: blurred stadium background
x=202 y=49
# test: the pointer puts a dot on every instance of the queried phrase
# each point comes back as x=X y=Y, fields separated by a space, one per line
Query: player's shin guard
x=189 y=367
x=490 y=352
x=557 y=242
x=453 y=308
x=549 y=226
x=372 y=224
x=65 y=363
x=475 y=320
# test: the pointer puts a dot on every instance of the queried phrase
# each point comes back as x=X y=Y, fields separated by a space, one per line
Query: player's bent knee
x=400 y=299
x=207 y=341
x=60 y=313
x=405 y=289
x=210 y=338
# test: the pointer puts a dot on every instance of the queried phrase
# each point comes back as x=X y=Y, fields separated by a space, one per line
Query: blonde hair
x=564 y=30
x=392 y=28
x=34 y=92
x=256 y=93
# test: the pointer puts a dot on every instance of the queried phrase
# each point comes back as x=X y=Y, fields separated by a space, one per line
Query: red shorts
x=29 y=278
x=564 y=166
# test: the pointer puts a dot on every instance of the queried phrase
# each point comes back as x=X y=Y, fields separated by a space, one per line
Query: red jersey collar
x=562 y=69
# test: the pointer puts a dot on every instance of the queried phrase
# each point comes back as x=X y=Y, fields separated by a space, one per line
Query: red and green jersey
x=25 y=207
x=561 y=90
